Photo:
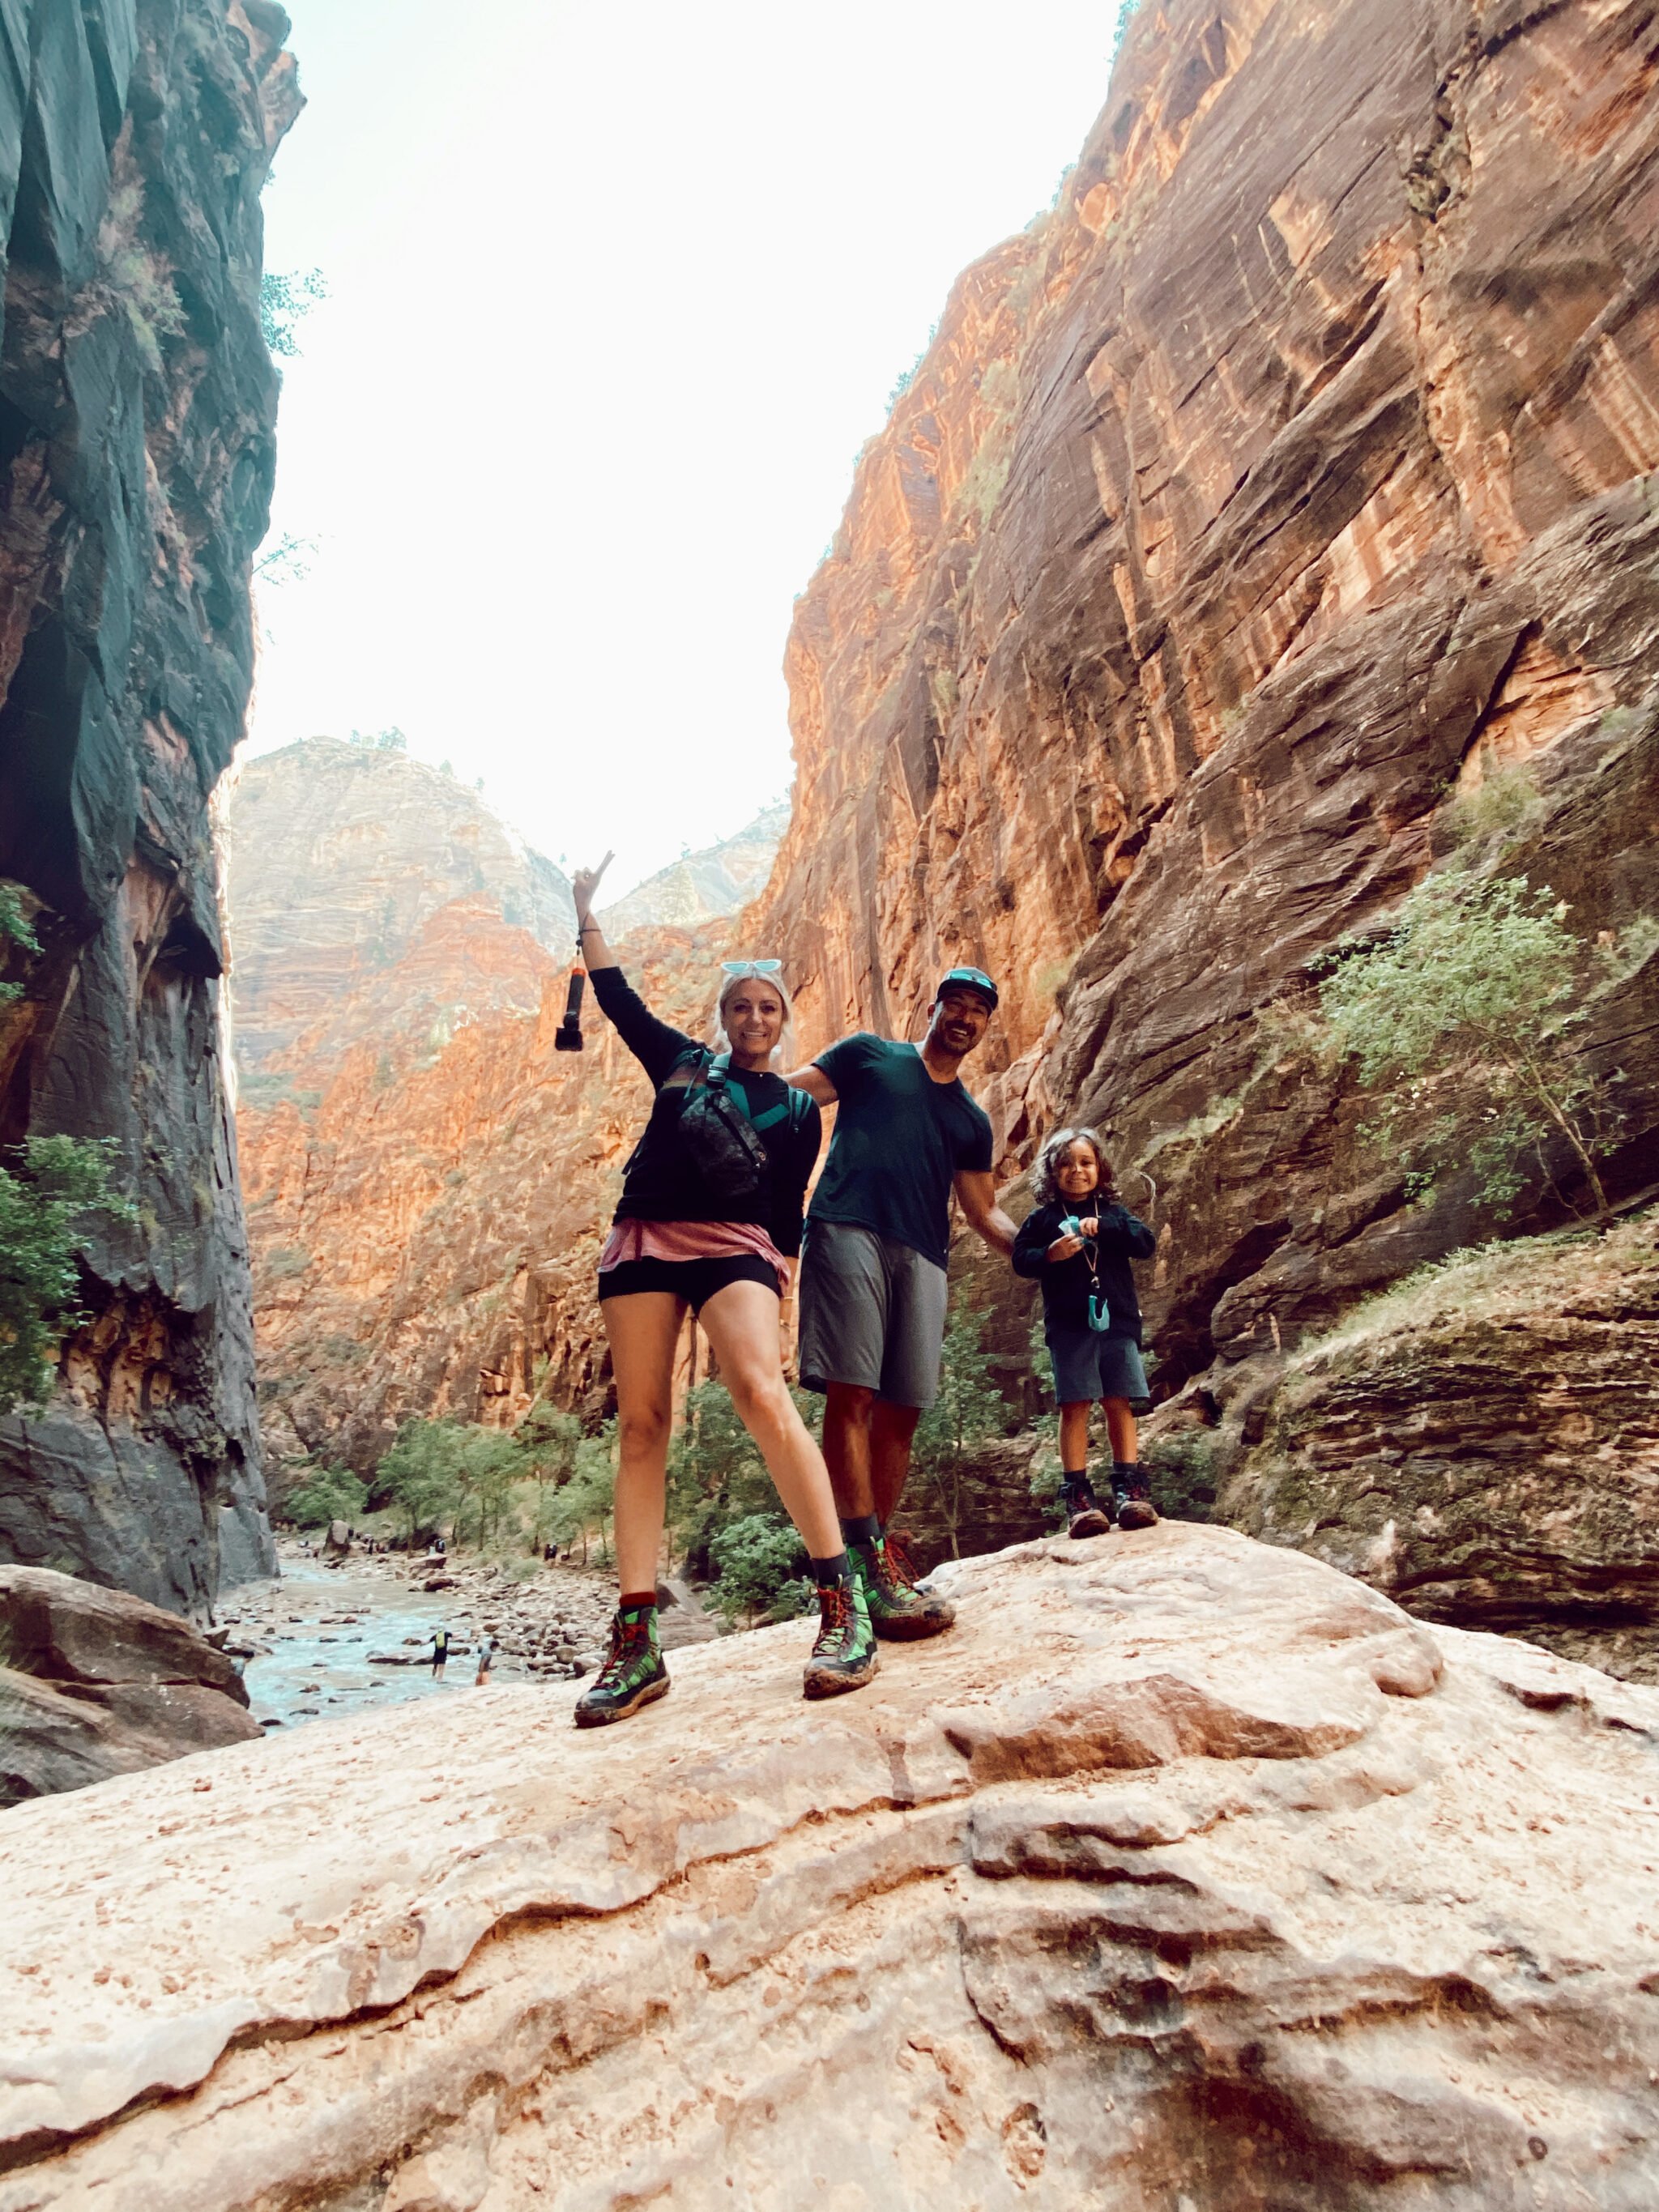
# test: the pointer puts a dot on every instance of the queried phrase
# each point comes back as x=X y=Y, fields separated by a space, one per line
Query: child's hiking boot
x=844 y=1657
x=633 y=1674
x=898 y=1610
x=1135 y=1509
x=1085 y=1514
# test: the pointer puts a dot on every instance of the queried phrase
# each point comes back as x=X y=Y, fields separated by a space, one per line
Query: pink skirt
x=691 y=1239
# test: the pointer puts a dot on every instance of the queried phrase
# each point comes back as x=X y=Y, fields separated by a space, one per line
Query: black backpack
x=723 y=1133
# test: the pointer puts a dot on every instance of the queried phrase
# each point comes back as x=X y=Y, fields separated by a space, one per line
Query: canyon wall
x=427 y=1179
x=1291 y=474
x=138 y=410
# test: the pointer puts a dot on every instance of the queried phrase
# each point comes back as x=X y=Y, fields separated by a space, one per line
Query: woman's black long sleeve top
x=663 y=1182
x=1066 y=1282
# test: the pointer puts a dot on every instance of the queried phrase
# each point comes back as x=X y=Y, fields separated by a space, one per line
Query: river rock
x=1184 y=1872
x=96 y=1683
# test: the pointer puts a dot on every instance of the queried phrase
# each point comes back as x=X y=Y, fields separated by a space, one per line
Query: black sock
x=1124 y=1472
x=865 y=1529
x=827 y=1572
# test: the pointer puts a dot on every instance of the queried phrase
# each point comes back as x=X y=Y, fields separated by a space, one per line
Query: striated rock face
x=426 y=1177
x=337 y=856
x=705 y=885
x=1485 y=1449
x=1183 y=1872
x=1293 y=472
x=94 y=1683
x=137 y=405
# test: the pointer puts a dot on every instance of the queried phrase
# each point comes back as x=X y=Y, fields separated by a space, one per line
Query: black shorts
x=694 y=1280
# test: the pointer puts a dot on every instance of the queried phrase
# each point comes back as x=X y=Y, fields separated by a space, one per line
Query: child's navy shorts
x=1091 y=1366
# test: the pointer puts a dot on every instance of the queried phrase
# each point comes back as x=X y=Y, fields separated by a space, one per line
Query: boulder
x=1184 y=1872
x=98 y=1683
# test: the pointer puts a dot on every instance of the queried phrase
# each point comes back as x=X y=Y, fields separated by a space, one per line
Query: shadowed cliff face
x=137 y=407
x=1293 y=471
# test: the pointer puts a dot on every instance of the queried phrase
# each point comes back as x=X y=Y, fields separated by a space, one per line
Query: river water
x=313 y=1631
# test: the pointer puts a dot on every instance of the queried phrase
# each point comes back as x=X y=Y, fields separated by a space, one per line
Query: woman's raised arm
x=596 y=953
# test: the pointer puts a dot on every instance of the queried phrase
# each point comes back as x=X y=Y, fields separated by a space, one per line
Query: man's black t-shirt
x=900 y=1140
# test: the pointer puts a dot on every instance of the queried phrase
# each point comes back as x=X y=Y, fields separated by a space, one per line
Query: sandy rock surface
x=1187 y=1873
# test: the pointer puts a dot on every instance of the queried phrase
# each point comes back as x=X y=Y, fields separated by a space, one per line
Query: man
x=873 y=1293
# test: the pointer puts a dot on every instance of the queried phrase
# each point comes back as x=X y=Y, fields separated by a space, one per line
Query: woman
x=682 y=1241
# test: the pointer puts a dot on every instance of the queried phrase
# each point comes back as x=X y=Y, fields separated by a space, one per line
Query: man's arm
x=817 y=1084
x=978 y=1195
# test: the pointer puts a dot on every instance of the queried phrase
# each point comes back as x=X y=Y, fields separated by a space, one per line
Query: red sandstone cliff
x=1294 y=468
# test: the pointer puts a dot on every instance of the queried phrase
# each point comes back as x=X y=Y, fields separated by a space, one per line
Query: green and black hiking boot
x=1085 y=1514
x=844 y=1657
x=898 y=1611
x=633 y=1674
x=1135 y=1509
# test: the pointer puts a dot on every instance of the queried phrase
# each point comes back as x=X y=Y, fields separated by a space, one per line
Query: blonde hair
x=783 y=1052
x=1055 y=1148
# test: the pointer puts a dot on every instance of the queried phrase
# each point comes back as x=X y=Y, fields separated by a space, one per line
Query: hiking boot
x=898 y=1610
x=1135 y=1509
x=1085 y=1514
x=633 y=1674
x=844 y=1657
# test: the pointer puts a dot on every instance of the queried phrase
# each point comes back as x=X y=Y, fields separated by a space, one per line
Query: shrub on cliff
x=45 y=1195
x=969 y=1408
x=1465 y=1027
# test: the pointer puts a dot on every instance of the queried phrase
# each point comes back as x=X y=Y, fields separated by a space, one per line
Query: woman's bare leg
x=1121 y=1428
x=741 y=1323
x=643 y=1328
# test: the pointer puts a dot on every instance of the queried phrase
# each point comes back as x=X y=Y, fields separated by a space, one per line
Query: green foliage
x=288 y=562
x=1501 y=806
x=328 y=1493
x=1183 y=1466
x=969 y=1408
x=547 y=1442
x=421 y=1474
x=715 y=1477
x=46 y=1194
x=14 y=930
x=1463 y=1027
x=760 y=1561
x=285 y=300
x=582 y=1507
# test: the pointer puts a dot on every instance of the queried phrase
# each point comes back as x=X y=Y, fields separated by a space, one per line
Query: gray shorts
x=872 y=1314
x=1090 y=1366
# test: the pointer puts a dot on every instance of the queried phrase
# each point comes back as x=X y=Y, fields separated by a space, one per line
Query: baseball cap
x=972 y=978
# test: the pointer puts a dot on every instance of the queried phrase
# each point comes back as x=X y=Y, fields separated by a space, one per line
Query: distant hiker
x=709 y=1222
x=1077 y=1244
x=439 y=1654
x=874 y=1294
x=486 y=1660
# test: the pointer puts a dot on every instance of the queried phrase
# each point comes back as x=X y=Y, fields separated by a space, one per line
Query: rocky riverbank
x=342 y=1635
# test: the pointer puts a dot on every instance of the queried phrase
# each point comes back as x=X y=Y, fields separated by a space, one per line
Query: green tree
x=328 y=1493
x=421 y=1475
x=1464 y=1025
x=14 y=930
x=969 y=1408
x=761 y=1563
x=45 y=1195
x=715 y=1476
x=583 y=1506
x=285 y=300
x=547 y=1440
x=489 y=1465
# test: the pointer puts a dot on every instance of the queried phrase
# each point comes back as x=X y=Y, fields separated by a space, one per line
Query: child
x=1078 y=1244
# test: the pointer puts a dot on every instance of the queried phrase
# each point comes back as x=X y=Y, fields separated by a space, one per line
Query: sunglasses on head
x=751 y=967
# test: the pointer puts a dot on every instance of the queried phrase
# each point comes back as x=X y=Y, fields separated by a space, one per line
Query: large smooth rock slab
x=1185 y=1871
x=96 y=1683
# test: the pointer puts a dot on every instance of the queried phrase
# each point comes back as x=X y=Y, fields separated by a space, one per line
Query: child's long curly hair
x=1055 y=1148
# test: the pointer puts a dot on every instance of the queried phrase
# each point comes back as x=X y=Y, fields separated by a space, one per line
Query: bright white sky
x=615 y=295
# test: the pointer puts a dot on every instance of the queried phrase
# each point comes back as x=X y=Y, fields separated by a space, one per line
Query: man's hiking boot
x=633 y=1674
x=1135 y=1509
x=844 y=1657
x=898 y=1610
x=1085 y=1514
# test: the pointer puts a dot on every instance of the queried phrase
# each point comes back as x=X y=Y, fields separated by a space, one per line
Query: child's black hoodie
x=1066 y=1282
